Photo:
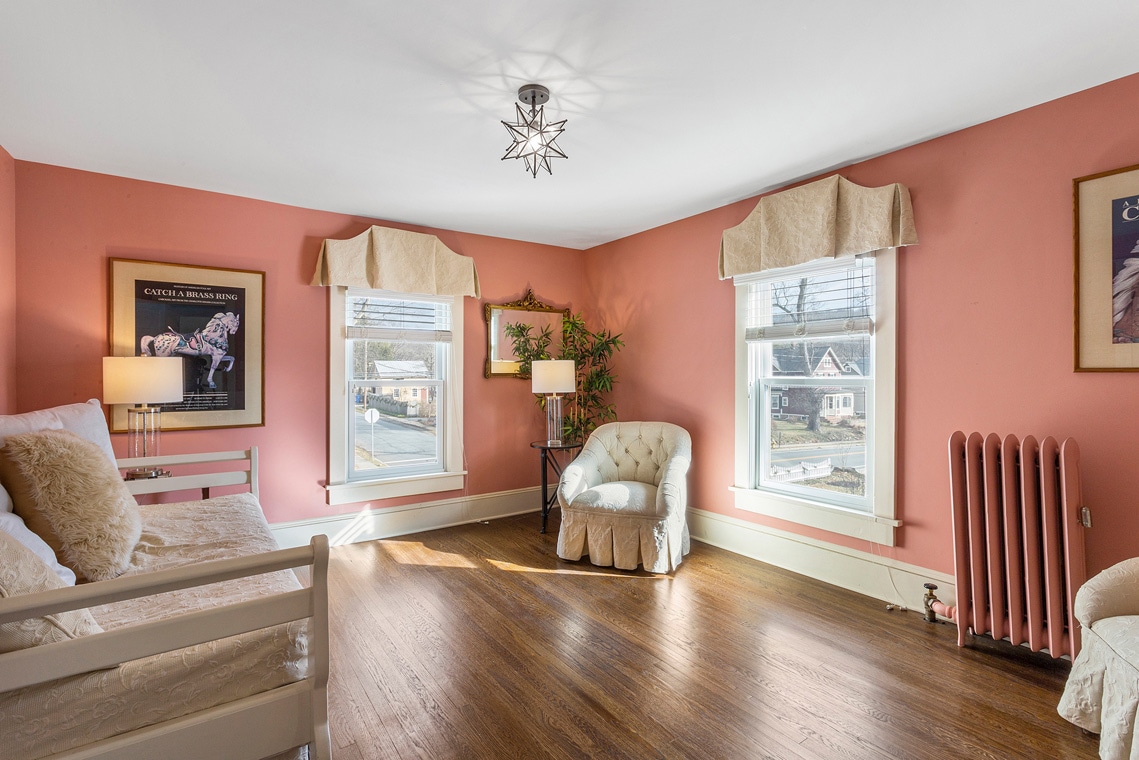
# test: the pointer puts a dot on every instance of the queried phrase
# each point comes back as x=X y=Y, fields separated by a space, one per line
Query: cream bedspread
x=71 y=712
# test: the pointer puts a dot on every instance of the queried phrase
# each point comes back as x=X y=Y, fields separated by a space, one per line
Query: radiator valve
x=927 y=602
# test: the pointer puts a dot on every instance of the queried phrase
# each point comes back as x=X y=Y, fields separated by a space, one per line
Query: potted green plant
x=591 y=353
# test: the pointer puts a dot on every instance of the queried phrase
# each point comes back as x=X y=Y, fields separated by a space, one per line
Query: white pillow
x=21 y=572
x=14 y=526
x=85 y=420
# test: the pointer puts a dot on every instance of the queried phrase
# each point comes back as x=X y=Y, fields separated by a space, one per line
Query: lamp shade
x=552 y=376
x=142 y=379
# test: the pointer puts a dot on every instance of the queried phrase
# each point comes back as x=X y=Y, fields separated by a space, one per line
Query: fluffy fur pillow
x=22 y=572
x=73 y=497
x=85 y=420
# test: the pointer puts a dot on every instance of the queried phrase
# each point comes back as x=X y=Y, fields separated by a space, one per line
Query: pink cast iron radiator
x=1018 y=527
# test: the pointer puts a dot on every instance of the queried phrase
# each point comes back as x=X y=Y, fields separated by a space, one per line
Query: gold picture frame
x=214 y=318
x=533 y=312
x=1107 y=271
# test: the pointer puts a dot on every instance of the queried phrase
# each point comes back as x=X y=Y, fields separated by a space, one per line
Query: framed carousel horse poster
x=213 y=318
x=1107 y=271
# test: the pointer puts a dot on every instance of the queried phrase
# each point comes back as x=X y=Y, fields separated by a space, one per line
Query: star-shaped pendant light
x=533 y=136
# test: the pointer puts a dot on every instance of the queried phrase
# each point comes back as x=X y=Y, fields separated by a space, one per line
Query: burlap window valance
x=825 y=219
x=383 y=258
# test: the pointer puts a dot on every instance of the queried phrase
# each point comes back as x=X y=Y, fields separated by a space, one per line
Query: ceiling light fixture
x=533 y=136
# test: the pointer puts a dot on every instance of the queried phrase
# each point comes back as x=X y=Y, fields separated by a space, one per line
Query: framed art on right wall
x=1107 y=271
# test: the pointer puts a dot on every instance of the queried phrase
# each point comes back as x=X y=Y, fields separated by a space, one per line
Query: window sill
x=368 y=490
x=846 y=522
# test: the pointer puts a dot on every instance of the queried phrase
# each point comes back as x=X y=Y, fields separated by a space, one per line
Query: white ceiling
x=391 y=108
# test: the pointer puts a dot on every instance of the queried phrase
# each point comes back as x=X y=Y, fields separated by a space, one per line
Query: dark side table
x=550 y=462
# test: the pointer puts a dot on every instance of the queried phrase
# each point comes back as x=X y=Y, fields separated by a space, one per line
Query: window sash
x=761 y=437
x=437 y=462
x=840 y=302
x=877 y=526
x=398 y=483
x=395 y=318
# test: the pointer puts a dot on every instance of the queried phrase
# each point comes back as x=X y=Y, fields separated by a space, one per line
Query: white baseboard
x=369 y=524
x=880 y=577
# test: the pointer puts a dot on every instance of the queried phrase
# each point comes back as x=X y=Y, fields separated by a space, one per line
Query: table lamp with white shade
x=551 y=377
x=142 y=380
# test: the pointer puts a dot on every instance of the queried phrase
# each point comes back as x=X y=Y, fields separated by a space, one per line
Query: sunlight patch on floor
x=415 y=553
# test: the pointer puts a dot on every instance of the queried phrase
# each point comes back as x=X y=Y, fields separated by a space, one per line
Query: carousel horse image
x=211 y=341
x=1124 y=307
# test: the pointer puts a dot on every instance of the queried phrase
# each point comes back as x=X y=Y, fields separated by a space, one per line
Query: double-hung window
x=815 y=388
x=395 y=394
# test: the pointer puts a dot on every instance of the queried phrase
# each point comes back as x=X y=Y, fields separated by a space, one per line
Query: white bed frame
x=251 y=728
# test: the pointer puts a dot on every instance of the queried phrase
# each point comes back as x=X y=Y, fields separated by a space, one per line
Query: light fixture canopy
x=533 y=136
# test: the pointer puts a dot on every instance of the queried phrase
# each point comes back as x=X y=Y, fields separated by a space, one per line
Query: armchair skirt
x=623 y=499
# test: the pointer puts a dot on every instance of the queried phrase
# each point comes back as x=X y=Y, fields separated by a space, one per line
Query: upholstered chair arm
x=1111 y=593
x=672 y=493
x=582 y=473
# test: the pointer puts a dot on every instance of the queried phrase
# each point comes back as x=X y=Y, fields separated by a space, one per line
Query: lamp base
x=144 y=427
x=145 y=473
x=554 y=420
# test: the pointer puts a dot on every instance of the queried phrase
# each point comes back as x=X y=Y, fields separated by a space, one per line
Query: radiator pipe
x=934 y=606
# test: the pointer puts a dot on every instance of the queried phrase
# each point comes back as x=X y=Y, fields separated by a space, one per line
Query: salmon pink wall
x=985 y=306
x=985 y=333
x=70 y=222
x=7 y=282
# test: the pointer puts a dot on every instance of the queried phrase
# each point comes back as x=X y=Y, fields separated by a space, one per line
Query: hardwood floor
x=478 y=642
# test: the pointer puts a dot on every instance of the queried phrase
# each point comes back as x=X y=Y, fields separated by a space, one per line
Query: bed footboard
x=251 y=728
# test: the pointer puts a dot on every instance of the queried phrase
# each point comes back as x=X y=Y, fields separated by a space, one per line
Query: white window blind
x=819 y=301
x=397 y=319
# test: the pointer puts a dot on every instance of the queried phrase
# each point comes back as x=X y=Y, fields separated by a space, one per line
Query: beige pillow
x=22 y=572
x=70 y=494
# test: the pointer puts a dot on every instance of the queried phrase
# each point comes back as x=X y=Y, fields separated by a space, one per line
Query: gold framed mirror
x=500 y=359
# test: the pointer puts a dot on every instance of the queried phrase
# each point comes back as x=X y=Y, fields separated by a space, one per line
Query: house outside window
x=395 y=395
x=815 y=395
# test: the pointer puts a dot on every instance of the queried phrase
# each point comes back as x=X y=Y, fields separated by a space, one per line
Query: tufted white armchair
x=623 y=498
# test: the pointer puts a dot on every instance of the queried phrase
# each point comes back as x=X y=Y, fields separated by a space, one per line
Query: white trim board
x=369 y=524
x=855 y=570
x=879 y=577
